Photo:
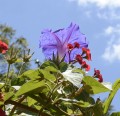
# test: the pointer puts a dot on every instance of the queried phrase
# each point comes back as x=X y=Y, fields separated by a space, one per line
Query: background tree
x=17 y=46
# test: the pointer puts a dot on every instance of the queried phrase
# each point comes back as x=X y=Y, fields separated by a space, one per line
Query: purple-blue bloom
x=57 y=41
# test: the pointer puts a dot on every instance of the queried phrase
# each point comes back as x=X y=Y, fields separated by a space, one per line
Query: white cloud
x=106 y=9
x=88 y=13
x=112 y=30
x=112 y=51
x=100 y=3
x=110 y=14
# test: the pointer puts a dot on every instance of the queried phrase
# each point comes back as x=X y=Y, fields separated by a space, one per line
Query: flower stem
x=21 y=106
x=49 y=98
x=13 y=109
x=106 y=104
x=6 y=80
x=21 y=69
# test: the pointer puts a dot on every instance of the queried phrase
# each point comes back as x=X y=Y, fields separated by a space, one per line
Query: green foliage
x=16 y=48
x=33 y=86
x=92 y=86
x=49 y=90
x=108 y=101
x=115 y=114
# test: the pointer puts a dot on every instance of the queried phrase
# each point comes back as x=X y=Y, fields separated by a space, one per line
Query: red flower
x=79 y=58
x=100 y=79
x=70 y=46
x=86 y=66
x=2 y=113
x=3 y=47
x=76 y=45
x=98 y=75
x=87 y=52
x=96 y=72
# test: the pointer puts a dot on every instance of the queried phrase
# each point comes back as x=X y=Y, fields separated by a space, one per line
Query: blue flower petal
x=57 y=41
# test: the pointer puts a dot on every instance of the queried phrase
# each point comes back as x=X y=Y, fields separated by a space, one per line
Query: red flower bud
x=98 y=75
x=96 y=72
x=79 y=58
x=70 y=46
x=86 y=66
x=87 y=52
x=3 y=47
x=100 y=79
x=76 y=45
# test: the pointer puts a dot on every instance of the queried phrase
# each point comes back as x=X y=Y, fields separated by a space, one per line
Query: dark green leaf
x=17 y=81
x=63 y=66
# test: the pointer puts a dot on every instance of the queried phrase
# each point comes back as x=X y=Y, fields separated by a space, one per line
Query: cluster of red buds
x=98 y=75
x=3 y=47
x=79 y=57
x=72 y=46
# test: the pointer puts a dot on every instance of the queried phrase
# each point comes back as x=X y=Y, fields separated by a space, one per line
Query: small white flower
x=73 y=77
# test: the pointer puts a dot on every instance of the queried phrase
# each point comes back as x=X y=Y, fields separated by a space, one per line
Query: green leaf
x=39 y=98
x=1 y=103
x=108 y=101
x=76 y=102
x=31 y=87
x=92 y=86
x=8 y=95
x=47 y=75
x=17 y=81
x=115 y=114
x=63 y=66
x=31 y=74
x=1 y=85
x=82 y=104
x=51 y=69
x=98 y=109
x=48 y=63
x=31 y=101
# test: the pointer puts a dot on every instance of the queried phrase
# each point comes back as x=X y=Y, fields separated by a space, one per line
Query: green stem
x=22 y=106
x=14 y=108
x=76 y=93
x=108 y=101
x=7 y=77
x=8 y=70
x=48 y=100
x=21 y=69
x=65 y=113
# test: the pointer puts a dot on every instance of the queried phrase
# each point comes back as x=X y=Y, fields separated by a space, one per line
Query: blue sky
x=99 y=20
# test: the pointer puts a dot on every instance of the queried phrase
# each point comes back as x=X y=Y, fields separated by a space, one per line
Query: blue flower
x=57 y=42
